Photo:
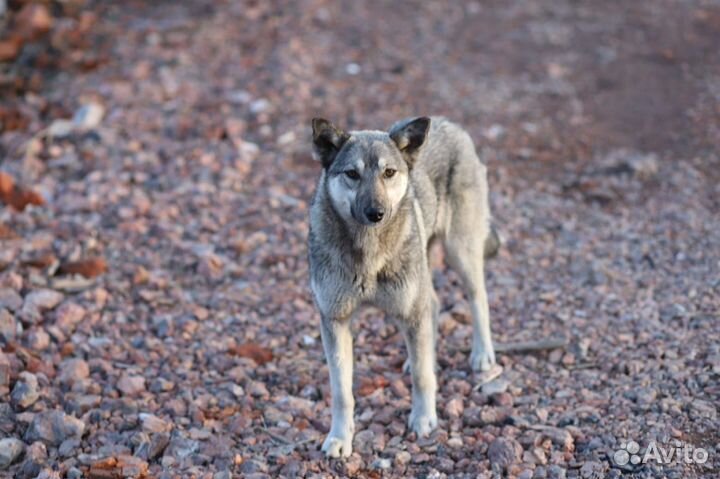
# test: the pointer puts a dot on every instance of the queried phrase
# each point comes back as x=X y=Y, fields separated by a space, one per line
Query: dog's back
x=446 y=174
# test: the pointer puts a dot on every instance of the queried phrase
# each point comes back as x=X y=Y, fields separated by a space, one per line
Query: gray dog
x=382 y=198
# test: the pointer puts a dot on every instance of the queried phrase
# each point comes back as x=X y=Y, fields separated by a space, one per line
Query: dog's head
x=367 y=172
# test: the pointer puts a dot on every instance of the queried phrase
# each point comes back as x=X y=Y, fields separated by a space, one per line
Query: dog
x=381 y=200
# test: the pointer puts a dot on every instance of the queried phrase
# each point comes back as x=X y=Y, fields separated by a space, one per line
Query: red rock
x=257 y=353
x=89 y=268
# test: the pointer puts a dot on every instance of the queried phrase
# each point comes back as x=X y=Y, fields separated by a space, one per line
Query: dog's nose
x=374 y=214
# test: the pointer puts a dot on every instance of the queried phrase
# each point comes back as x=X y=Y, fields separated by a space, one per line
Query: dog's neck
x=370 y=247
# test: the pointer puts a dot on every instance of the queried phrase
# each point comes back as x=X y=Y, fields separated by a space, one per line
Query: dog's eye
x=352 y=174
x=389 y=173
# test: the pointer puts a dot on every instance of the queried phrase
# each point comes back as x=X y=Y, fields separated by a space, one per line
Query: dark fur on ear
x=409 y=135
x=327 y=140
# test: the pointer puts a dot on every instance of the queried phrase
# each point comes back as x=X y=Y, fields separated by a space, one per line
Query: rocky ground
x=155 y=316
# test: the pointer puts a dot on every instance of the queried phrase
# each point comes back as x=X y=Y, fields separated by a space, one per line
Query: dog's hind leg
x=337 y=342
x=465 y=256
x=465 y=248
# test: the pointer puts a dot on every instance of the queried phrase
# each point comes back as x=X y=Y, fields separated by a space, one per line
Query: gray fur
x=439 y=191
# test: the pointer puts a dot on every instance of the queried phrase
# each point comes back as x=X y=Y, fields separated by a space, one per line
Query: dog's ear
x=409 y=135
x=327 y=140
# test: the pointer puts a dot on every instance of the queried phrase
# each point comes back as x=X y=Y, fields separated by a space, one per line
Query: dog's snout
x=374 y=214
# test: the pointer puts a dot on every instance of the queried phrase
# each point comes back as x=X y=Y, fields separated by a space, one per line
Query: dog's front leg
x=420 y=339
x=337 y=342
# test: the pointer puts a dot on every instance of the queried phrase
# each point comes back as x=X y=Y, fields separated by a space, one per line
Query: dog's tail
x=492 y=243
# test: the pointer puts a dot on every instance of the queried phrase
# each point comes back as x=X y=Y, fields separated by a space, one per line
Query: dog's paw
x=337 y=446
x=422 y=424
x=482 y=359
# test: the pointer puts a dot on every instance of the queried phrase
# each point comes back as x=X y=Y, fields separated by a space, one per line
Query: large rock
x=53 y=427
x=25 y=392
x=10 y=450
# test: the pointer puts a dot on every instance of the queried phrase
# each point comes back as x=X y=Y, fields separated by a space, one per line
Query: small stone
x=5 y=370
x=131 y=385
x=258 y=389
x=526 y=474
x=87 y=402
x=504 y=452
x=8 y=325
x=211 y=265
x=538 y=456
x=559 y=437
x=403 y=458
x=152 y=423
x=700 y=409
x=253 y=466
x=421 y=458
x=88 y=116
x=10 y=299
x=37 y=302
x=353 y=464
x=25 y=392
x=48 y=473
x=131 y=466
x=60 y=128
x=556 y=472
x=502 y=399
x=495 y=386
x=381 y=464
x=72 y=370
x=540 y=473
x=200 y=434
x=363 y=441
x=68 y=447
x=35 y=457
x=494 y=415
x=68 y=315
x=8 y=419
x=181 y=447
x=399 y=388
x=161 y=385
x=53 y=427
x=74 y=473
x=455 y=442
x=37 y=339
x=454 y=408
x=158 y=443
x=592 y=470
x=10 y=450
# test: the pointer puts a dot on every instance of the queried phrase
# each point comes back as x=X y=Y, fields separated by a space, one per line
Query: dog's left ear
x=327 y=140
x=410 y=135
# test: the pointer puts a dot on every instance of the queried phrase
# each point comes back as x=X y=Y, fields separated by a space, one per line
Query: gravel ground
x=154 y=310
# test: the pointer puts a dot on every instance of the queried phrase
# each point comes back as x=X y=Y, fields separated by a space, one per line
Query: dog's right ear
x=327 y=140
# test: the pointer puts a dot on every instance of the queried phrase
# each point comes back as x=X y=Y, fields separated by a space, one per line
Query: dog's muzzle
x=374 y=215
